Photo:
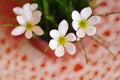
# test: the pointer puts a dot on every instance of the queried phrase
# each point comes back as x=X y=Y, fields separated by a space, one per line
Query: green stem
x=70 y=5
x=110 y=13
x=84 y=51
x=46 y=48
x=11 y=25
x=102 y=40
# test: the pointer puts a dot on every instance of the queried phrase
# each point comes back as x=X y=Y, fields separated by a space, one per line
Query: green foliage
x=54 y=11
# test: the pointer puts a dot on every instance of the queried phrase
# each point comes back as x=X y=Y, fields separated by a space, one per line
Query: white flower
x=61 y=40
x=84 y=24
x=28 y=20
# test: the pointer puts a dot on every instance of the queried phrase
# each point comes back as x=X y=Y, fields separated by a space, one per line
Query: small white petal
x=36 y=17
x=75 y=25
x=86 y=13
x=53 y=44
x=70 y=47
x=76 y=15
x=37 y=30
x=80 y=33
x=21 y=20
x=91 y=30
x=33 y=6
x=54 y=33
x=59 y=52
x=18 y=31
x=18 y=10
x=93 y=20
x=63 y=27
x=27 y=12
x=71 y=37
x=26 y=5
x=28 y=34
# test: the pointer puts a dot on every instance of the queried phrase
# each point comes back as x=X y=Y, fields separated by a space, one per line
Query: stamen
x=62 y=40
x=29 y=26
x=82 y=24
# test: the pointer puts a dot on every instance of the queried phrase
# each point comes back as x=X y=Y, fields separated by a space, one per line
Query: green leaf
x=46 y=7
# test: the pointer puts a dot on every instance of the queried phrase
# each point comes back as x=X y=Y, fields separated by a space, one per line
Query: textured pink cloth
x=19 y=60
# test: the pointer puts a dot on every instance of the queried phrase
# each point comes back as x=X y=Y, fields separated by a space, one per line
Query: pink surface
x=19 y=60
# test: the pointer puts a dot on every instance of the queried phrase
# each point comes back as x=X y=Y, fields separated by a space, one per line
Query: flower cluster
x=27 y=17
x=83 y=23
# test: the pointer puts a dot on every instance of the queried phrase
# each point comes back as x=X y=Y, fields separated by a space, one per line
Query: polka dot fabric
x=19 y=60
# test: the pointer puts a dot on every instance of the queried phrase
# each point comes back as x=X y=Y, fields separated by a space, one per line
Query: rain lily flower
x=83 y=23
x=61 y=41
x=28 y=20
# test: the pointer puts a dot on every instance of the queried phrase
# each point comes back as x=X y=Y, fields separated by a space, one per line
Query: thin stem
x=70 y=5
x=46 y=48
x=101 y=39
x=110 y=13
x=103 y=46
x=11 y=25
x=84 y=51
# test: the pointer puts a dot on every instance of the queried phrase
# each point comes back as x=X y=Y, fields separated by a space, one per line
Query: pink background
x=19 y=60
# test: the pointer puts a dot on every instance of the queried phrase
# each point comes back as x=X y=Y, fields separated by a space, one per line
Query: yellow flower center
x=82 y=24
x=29 y=26
x=61 y=40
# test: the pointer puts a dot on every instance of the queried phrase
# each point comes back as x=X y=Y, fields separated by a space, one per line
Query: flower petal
x=28 y=34
x=75 y=25
x=86 y=13
x=26 y=5
x=59 y=52
x=27 y=12
x=37 y=30
x=36 y=17
x=18 y=10
x=76 y=15
x=53 y=44
x=71 y=37
x=91 y=30
x=33 y=6
x=18 y=31
x=21 y=20
x=93 y=20
x=63 y=27
x=70 y=48
x=80 y=33
x=54 y=33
